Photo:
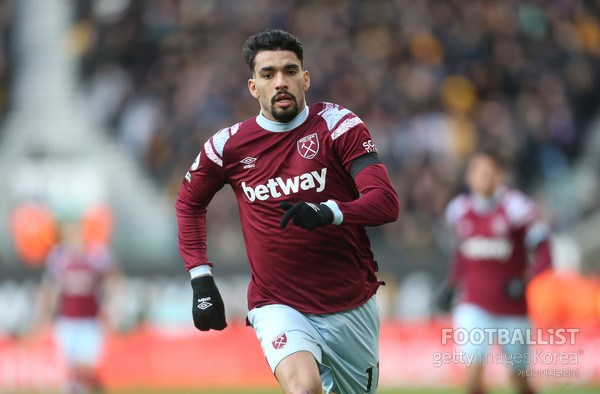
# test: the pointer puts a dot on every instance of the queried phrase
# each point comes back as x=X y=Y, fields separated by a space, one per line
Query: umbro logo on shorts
x=203 y=303
x=280 y=341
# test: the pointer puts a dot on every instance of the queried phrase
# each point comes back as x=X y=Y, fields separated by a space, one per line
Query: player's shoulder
x=54 y=259
x=100 y=257
x=338 y=119
x=457 y=207
x=223 y=136
x=214 y=147
x=512 y=196
x=58 y=260
x=517 y=205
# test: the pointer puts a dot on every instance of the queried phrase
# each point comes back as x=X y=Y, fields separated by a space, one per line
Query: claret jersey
x=79 y=276
x=492 y=248
x=325 y=270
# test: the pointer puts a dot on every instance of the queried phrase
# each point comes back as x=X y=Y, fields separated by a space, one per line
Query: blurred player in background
x=74 y=292
x=497 y=228
x=307 y=180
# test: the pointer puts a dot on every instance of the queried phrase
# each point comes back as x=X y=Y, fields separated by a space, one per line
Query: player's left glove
x=306 y=215
x=515 y=288
x=445 y=298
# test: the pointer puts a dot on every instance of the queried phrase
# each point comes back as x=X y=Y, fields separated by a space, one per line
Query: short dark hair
x=271 y=40
x=494 y=155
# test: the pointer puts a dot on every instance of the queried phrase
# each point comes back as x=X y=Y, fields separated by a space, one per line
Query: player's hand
x=208 y=310
x=306 y=215
x=515 y=288
x=445 y=298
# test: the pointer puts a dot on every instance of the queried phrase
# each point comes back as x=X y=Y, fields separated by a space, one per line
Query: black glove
x=445 y=298
x=306 y=215
x=207 y=306
x=515 y=288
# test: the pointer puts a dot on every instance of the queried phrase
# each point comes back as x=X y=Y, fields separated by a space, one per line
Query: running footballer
x=307 y=180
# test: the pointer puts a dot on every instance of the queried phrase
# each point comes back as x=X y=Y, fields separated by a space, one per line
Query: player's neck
x=482 y=204
x=279 y=127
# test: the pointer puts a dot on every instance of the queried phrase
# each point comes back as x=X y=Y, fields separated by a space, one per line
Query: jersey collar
x=277 y=127
x=482 y=205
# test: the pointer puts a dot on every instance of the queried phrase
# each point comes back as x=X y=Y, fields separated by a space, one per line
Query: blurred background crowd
x=433 y=80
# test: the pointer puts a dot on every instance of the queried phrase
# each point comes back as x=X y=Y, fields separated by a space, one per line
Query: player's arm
x=457 y=266
x=202 y=181
x=45 y=304
x=537 y=240
x=447 y=292
x=538 y=243
x=523 y=213
x=378 y=203
x=113 y=282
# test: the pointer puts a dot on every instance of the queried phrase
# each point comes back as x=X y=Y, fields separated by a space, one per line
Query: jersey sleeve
x=378 y=203
x=456 y=269
x=101 y=257
x=204 y=178
x=521 y=211
x=53 y=262
x=351 y=139
x=455 y=209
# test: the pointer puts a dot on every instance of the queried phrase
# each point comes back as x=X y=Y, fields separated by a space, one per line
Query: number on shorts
x=369 y=372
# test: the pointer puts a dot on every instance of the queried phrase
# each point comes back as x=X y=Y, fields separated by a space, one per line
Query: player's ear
x=252 y=88
x=306 y=80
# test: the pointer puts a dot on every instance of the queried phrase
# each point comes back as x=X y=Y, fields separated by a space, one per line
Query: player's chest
x=304 y=154
x=79 y=278
x=494 y=224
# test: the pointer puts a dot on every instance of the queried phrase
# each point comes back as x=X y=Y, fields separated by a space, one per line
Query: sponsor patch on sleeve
x=188 y=176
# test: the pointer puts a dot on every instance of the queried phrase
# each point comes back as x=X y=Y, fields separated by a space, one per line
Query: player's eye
x=267 y=76
x=292 y=72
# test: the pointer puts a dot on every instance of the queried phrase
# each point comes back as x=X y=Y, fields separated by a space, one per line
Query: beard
x=284 y=115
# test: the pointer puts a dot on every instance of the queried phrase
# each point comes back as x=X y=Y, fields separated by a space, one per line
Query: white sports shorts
x=345 y=344
x=473 y=318
x=80 y=339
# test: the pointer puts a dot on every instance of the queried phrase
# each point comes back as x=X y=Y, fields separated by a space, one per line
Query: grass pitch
x=590 y=390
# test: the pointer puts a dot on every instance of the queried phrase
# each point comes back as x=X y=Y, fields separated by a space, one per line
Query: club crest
x=280 y=341
x=308 y=146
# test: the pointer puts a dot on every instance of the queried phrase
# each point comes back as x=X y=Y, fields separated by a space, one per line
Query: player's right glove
x=306 y=215
x=208 y=309
x=515 y=288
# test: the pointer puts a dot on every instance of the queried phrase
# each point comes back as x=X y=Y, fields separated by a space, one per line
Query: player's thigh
x=515 y=346
x=283 y=331
x=80 y=339
x=351 y=350
x=299 y=372
x=470 y=324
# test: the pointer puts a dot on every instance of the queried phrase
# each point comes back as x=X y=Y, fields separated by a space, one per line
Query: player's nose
x=281 y=82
